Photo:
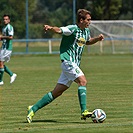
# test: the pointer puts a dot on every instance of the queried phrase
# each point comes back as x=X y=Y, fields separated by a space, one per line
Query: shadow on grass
x=36 y=121
x=54 y=121
x=51 y=121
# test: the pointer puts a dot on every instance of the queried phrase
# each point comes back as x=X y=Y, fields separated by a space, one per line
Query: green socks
x=48 y=98
x=82 y=97
x=1 y=73
x=7 y=70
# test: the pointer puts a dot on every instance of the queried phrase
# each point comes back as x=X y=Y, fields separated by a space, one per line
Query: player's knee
x=56 y=94
x=83 y=82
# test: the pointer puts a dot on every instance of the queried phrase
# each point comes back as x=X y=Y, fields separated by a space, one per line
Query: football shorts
x=70 y=71
x=5 y=55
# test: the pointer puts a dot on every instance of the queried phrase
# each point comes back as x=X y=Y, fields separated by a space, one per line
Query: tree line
x=59 y=12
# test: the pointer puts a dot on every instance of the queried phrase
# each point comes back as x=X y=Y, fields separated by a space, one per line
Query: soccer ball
x=98 y=116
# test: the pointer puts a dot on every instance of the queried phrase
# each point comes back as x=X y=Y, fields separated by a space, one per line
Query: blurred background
x=113 y=18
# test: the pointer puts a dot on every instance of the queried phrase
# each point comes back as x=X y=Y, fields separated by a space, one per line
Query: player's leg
x=1 y=66
x=49 y=97
x=1 y=72
x=8 y=71
x=82 y=82
x=12 y=75
x=74 y=73
x=46 y=99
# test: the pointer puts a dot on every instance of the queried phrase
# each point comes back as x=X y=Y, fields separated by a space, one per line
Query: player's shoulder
x=72 y=27
x=9 y=26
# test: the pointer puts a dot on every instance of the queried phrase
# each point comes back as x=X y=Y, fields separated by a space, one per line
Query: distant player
x=6 y=49
x=74 y=38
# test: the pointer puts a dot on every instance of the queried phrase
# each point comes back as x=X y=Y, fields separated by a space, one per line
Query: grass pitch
x=109 y=88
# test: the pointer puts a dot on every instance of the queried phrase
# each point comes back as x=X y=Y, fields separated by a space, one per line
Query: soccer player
x=74 y=38
x=6 y=49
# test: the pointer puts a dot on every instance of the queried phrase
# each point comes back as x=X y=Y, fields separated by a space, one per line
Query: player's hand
x=101 y=37
x=47 y=27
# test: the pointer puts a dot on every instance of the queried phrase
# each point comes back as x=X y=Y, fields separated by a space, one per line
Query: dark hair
x=6 y=15
x=81 y=13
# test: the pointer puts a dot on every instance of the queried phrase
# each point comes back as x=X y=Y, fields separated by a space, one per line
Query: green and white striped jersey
x=7 y=31
x=73 y=42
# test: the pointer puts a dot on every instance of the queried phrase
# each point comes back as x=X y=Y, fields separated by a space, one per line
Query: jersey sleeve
x=67 y=30
x=10 y=30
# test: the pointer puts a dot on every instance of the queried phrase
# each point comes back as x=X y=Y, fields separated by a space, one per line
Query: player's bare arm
x=95 y=39
x=6 y=37
x=52 y=28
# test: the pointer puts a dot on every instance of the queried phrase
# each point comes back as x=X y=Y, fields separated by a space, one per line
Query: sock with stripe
x=82 y=97
x=48 y=98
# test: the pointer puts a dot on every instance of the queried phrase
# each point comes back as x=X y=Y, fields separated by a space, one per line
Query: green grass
x=109 y=88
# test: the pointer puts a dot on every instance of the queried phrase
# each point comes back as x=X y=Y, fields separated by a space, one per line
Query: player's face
x=87 y=21
x=6 y=20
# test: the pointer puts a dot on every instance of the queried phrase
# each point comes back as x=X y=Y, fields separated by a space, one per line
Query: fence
x=118 y=39
x=36 y=46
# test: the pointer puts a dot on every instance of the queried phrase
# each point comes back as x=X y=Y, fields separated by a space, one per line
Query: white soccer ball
x=98 y=116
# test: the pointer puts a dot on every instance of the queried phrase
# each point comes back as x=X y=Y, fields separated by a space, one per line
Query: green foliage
x=106 y=9
x=35 y=30
x=126 y=11
x=19 y=29
x=59 y=13
x=16 y=9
